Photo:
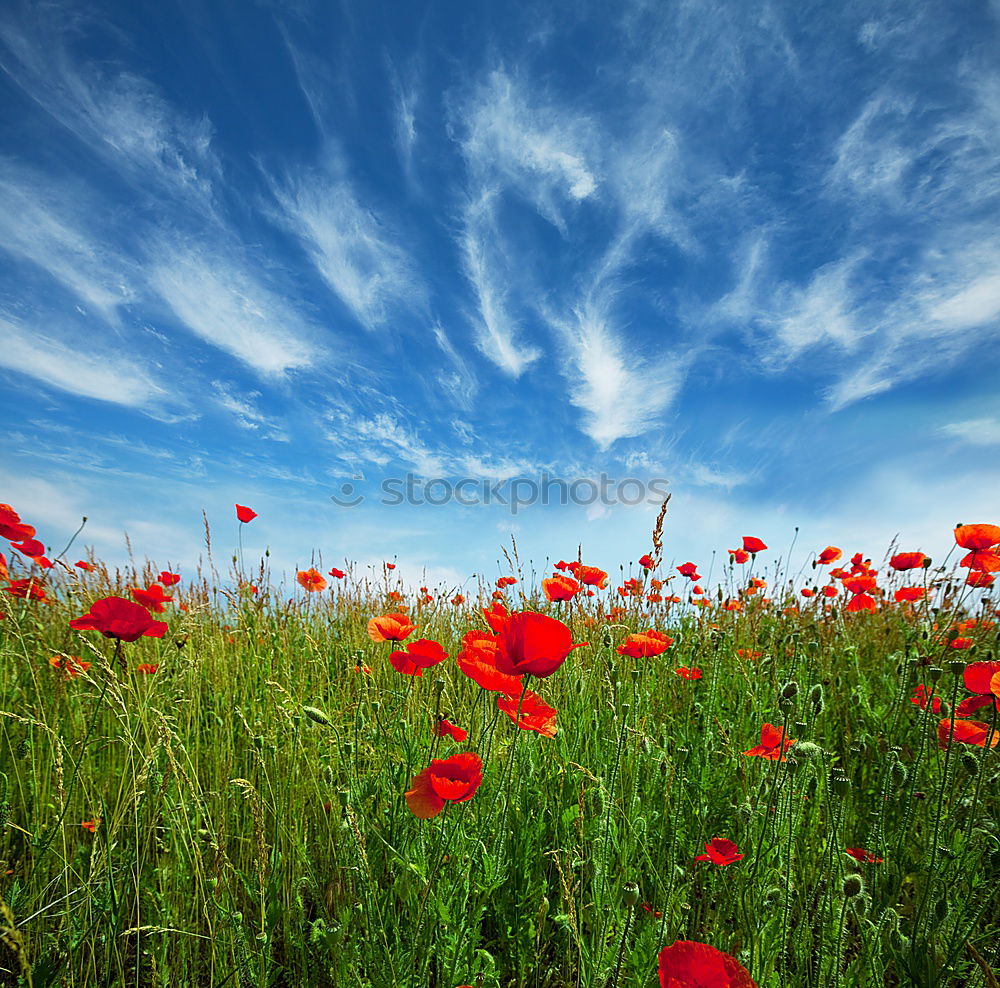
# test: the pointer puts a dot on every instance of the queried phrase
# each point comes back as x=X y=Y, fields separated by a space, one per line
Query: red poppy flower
x=591 y=576
x=70 y=664
x=390 y=628
x=478 y=660
x=458 y=600
x=26 y=590
x=966 y=731
x=419 y=655
x=560 y=588
x=739 y=555
x=153 y=598
x=829 y=555
x=920 y=699
x=310 y=579
x=534 y=644
x=979 y=579
x=645 y=644
x=496 y=616
x=11 y=526
x=90 y=825
x=977 y=537
x=506 y=581
x=730 y=605
x=690 y=570
x=337 y=574
x=245 y=514
x=909 y=594
x=829 y=591
x=169 y=579
x=654 y=598
x=752 y=544
x=648 y=906
x=82 y=564
x=907 y=560
x=747 y=653
x=807 y=592
x=862 y=855
x=536 y=715
x=646 y=562
x=687 y=964
x=147 y=668
x=980 y=678
x=390 y=565
x=720 y=851
x=29 y=547
x=773 y=744
x=451 y=780
x=445 y=728
x=116 y=617
x=691 y=674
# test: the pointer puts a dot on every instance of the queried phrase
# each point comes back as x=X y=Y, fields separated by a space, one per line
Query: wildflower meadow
x=619 y=773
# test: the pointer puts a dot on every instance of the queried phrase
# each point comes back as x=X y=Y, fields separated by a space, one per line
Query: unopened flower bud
x=790 y=690
x=316 y=716
x=970 y=763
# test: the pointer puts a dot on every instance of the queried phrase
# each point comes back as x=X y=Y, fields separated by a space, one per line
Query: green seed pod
x=934 y=673
x=630 y=895
x=816 y=697
x=316 y=716
x=813 y=647
x=840 y=784
x=790 y=690
x=786 y=706
x=957 y=667
x=853 y=886
x=607 y=639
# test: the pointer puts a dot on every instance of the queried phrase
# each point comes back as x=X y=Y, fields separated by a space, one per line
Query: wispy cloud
x=354 y=251
x=974 y=432
x=93 y=373
x=225 y=303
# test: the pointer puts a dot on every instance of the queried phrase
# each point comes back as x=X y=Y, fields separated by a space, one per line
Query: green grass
x=243 y=842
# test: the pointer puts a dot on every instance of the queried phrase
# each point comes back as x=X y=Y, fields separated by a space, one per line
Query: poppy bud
x=804 y=750
x=439 y=685
x=934 y=673
x=813 y=647
x=316 y=716
x=816 y=697
x=970 y=763
x=773 y=897
x=941 y=910
x=926 y=563
x=343 y=796
x=607 y=639
x=853 y=886
x=786 y=706
x=630 y=895
x=898 y=775
x=790 y=690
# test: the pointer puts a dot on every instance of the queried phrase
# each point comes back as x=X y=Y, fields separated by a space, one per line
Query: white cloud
x=974 y=432
x=975 y=305
x=223 y=302
x=103 y=376
x=354 y=251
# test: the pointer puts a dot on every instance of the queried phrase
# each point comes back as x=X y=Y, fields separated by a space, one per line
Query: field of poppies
x=767 y=778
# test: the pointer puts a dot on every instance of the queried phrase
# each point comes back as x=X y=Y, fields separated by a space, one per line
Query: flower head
x=445 y=728
x=116 y=617
x=908 y=560
x=534 y=644
x=687 y=964
x=390 y=628
x=720 y=851
x=245 y=514
x=310 y=579
x=560 y=587
x=773 y=744
x=152 y=598
x=863 y=855
x=829 y=555
x=535 y=714
x=752 y=544
x=478 y=660
x=419 y=655
x=445 y=780
x=645 y=644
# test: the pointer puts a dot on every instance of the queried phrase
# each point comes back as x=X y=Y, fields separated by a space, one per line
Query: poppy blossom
x=748 y=653
x=908 y=560
x=960 y=643
x=560 y=588
x=116 y=617
x=656 y=913
x=858 y=587
x=29 y=547
x=645 y=644
x=975 y=537
x=70 y=664
x=829 y=591
x=720 y=851
x=390 y=565
x=245 y=514
x=919 y=698
x=87 y=567
x=533 y=644
x=390 y=628
x=739 y=555
x=535 y=714
x=591 y=576
x=807 y=592
x=829 y=555
x=909 y=594
x=11 y=526
x=687 y=964
x=169 y=579
x=967 y=731
x=863 y=855
x=26 y=590
x=691 y=674
x=419 y=655
x=152 y=598
x=654 y=598
x=90 y=825
x=478 y=660
x=773 y=744
x=980 y=678
x=506 y=581
x=646 y=562
x=496 y=616
x=310 y=579
x=752 y=544
x=979 y=579
x=445 y=728
x=451 y=780
x=690 y=570
x=458 y=600
x=147 y=668
x=337 y=574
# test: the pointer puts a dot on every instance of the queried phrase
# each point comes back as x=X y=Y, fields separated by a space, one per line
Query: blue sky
x=254 y=251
